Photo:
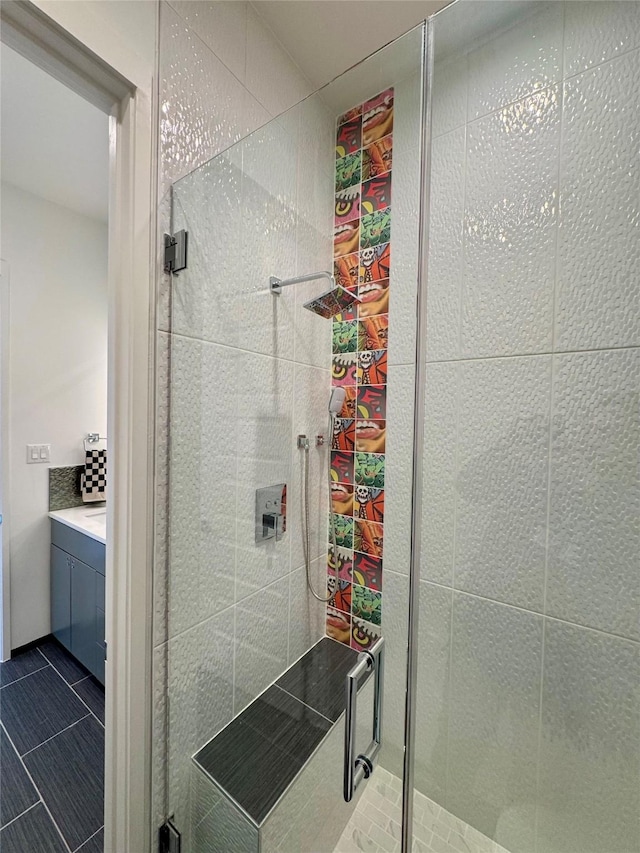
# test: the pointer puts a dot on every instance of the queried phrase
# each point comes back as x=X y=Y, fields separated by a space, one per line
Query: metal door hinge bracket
x=175 y=251
x=169 y=838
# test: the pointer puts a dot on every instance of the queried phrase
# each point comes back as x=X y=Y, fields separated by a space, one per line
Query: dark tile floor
x=51 y=754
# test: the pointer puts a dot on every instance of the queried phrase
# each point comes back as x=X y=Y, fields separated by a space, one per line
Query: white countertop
x=89 y=519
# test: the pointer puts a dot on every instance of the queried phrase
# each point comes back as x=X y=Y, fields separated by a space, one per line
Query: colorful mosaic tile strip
x=362 y=265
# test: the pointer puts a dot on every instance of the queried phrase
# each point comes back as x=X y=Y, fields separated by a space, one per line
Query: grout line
x=75 y=693
x=31 y=779
x=55 y=668
x=533 y=354
x=310 y=707
x=598 y=65
x=66 y=729
x=87 y=840
x=610 y=634
x=22 y=677
x=17 y=817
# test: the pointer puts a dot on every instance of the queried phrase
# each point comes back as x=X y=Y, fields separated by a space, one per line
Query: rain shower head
x=328 y=304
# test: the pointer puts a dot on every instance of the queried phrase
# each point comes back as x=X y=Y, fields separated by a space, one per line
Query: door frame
x=65 y=41
x=5 y=455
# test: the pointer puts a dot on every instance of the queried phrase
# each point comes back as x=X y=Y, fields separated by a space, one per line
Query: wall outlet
x=37 y=453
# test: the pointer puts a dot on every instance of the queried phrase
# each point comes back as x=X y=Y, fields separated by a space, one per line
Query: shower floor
x=375 y=824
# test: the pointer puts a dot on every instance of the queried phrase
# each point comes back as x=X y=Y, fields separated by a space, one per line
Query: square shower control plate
x=271 y=512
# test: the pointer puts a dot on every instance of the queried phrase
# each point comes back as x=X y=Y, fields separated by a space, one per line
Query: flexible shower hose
x=306 y=535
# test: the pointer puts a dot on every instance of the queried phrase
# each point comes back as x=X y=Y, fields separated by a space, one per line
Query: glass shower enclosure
x=474 y=502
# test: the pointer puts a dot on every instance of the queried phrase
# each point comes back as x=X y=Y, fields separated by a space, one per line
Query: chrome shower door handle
x=357 y=768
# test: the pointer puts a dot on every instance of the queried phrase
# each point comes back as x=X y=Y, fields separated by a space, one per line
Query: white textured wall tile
x=271 y=74
x=449 y=94
x=206 y=295
x=510 y=228
x=596 y=32
x=503 y=442
x=395 y=616
x=306 y=613
x=594 y=526
x=204 y=107
x=599 y=250
x=221 y=25
x=405 y=232
x=261 y=641
x=202 y=481
x=432 y=706
x=312 y=389
x=263 y=428
x=407 y=109
x=200 y=692
x=525 y=58
x=439 y=473
x=446 y=226
x=399 y=469
x=494 y=716
x=590 y=749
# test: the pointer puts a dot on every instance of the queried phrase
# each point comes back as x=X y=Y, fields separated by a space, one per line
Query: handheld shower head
x=336 y=401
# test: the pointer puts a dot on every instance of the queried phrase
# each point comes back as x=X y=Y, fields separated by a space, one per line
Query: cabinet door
x=61 y=596
x=83 y=613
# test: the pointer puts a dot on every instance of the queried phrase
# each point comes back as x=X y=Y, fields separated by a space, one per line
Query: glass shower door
x=527 y=727
x=331 y=185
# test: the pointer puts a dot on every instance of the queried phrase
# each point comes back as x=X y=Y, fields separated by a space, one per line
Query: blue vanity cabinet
x=61 y=596
x=77 y=595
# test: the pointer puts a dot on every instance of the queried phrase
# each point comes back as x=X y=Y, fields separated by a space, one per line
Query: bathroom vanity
x=78 y=537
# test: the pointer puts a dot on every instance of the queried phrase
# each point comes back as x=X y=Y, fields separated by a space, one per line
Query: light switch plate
x=37 y=453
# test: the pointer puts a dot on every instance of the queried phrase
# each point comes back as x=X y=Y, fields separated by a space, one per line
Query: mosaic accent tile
x=344 y=434
x=349 y=137
x=368 y=537
x=348 y=409
x=340 y=594
x=342 y=530
x=338 y=625
x=377 y=117
x=342 y=467
x=375 y=228
x=346 y=237
x=366 y=604
x=369 y=504
x=345 y=337
x=343 y=369
x=342 y=498
x=346 y=271
x=374 y=298
x=375 y=263
x=64 y=487
x=347 y=205
x=362 y=263
x=373 y=332
x=372 y=402
x=367 y=571
x=372 y=367
x=348 y=170
x=370 y=435
x=376 y=194
x=363 y=634
x=377 y=158
x=369 y=469
x=342 y=562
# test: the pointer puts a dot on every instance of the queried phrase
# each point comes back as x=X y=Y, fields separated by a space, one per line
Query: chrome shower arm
x=276 y=284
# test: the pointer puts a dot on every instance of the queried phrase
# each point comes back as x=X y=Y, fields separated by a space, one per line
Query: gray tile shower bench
x=271 y=781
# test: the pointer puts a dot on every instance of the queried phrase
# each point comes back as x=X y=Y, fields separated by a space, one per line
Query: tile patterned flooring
x=51 y=754
x=375 y=824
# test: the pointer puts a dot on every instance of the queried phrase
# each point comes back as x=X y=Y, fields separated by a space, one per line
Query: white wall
x=58 y=342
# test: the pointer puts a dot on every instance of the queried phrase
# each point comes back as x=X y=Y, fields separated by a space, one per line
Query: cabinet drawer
x=78 y=545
